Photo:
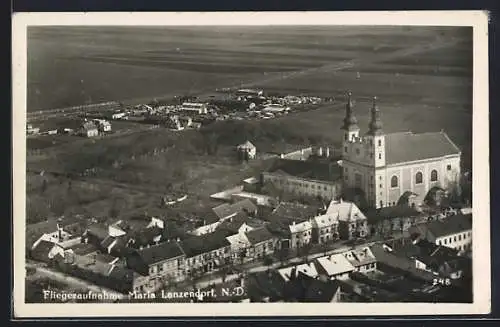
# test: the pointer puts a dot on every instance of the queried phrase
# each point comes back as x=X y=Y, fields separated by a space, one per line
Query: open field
x=74 y=66
x=421 y=92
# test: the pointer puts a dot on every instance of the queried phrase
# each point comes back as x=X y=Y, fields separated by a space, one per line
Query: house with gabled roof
x=247 y=150
x=335 y=266
x=206 y=252
x=262 y=242
x=159 y=265
x=453 y=231
x=352 y=223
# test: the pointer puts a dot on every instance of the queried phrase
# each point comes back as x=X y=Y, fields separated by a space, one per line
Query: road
x=258 y=266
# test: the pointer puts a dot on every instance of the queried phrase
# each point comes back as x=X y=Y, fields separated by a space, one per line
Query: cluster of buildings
x=148 y=258
x=376 y=181
x=411 y=269
x=382 y=169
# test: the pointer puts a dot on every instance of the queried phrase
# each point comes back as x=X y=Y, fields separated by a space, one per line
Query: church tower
x=350 y=126
x=375 y=137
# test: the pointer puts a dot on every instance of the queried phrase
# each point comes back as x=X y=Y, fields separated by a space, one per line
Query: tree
x=304 y=251
x=283 y=253
x=268 y=261
x=44 y=186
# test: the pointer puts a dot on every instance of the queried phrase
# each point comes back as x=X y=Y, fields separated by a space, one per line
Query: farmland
x=426 y=91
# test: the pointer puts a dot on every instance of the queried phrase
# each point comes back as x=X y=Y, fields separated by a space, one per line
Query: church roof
x=407 y=147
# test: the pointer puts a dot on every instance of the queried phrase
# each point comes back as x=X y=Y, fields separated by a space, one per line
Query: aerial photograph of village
x=249 y=164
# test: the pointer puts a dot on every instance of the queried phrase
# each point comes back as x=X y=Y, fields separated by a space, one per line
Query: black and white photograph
x=276 y=161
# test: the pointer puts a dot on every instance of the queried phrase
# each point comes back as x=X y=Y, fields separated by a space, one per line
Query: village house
x=262 y=242
x=362 y=259
x=440 y=260
x=399 y=218
x=325 y=226
x=247 y=150
x=291 y=272
x=305 y=178
x=206 y=253
x=98 y=269
x=193 y=107
x=89 y=129
x=335 y=266
x=305 y=289
x=160 y=265
x=224 y=213
x=352 y=223
x=45 y=251
x=389 y=260
x=104 y=126
x=454 y=232
x=62 y=232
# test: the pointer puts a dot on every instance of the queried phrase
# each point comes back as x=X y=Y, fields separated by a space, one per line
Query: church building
x=386 y=167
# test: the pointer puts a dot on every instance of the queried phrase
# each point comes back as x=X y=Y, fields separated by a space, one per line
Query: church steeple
x=350 y=121
x=375 y=126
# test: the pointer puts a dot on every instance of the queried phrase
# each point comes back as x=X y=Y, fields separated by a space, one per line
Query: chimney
x=59 y=232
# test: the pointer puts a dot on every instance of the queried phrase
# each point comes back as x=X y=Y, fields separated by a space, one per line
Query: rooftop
x=308 y=269
x=226 y=210
x=288 y=211
x=160 y=252
x=246 y=145
x=345 y=211
x=307 y=169
x=360 y=257
x=196 y=245
x=399 y=211
x=335 y=264
x=259 y=235
x=407 y=147
x=450 y=225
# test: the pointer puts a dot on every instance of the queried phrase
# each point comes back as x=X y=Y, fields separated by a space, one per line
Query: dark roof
x=450 y=225
x=259 y=235
x=107 y=241
x=41 y=251
x=226 y=210
x=196 y=245
x=106 y=258
x=160 y=252
x=307 y=169
x=397 y=261
x=287 y=211
x=147 y=235
x=426 y=252
x=235 y=222
x=98 y=230
x=321 y=291
x=122 y=274
x=407 y=147
x=399 y=211
x=83 y=248
x=278 y=147
x=266 y=283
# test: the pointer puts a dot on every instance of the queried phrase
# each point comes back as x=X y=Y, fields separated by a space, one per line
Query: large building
x=385 y=166
x=305 y=178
